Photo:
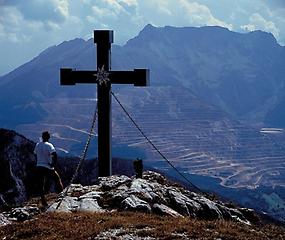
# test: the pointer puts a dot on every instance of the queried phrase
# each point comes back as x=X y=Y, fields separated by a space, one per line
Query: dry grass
x=88 y=226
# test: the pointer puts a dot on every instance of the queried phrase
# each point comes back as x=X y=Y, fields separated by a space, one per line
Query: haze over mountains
x=212 y=91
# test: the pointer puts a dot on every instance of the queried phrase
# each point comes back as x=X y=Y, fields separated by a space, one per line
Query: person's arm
x=35 y=153
x=36 y=159
x=54 y=158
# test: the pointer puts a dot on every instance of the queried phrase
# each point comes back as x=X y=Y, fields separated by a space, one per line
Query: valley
x=198 y=138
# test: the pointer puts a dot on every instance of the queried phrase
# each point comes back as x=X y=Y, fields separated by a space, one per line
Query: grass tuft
x=84 y=225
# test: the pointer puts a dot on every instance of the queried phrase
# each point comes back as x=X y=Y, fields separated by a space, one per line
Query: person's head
x=45 y=136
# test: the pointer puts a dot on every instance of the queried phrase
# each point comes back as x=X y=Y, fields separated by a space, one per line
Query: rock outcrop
x=4 y=220
x=151 y=194
x=16 y=159
x=19 y=214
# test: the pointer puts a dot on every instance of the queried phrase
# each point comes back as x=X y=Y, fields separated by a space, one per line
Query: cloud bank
x=28 y=27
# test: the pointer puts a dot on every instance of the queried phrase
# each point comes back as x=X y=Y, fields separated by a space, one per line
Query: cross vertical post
x=103 y=39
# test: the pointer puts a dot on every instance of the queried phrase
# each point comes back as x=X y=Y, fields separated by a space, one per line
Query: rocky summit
x=122 y=207
x=152 y=193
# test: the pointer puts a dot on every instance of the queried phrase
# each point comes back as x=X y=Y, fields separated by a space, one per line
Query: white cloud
x=103 y=12
x=10 y=22
x=21 y=21
x=257 y=22
x=199 y=14
x=40 y=10
x=44 y=10
x=130 y=2
x=114 y=6
x=276 y=4
x=248 y=27
x=61 y=6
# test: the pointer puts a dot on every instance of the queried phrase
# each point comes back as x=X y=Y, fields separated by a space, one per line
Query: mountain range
x=213 y=108
x=243 y=74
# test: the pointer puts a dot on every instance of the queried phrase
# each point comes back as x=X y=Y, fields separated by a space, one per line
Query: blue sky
x=29 y=26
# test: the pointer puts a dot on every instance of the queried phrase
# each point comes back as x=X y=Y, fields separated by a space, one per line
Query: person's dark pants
x=45 y=174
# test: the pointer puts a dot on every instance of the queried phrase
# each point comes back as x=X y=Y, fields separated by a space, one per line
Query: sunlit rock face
x=151 y=194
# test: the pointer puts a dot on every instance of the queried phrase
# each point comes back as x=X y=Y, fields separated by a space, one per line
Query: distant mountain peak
x=148 y=27
x=209 y=29
x=263 y=36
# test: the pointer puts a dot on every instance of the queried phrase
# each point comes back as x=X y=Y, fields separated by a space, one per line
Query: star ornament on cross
x=102 y=76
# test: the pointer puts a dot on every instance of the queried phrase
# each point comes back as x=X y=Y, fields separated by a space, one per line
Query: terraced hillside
x=203 y=140
x=197 y=138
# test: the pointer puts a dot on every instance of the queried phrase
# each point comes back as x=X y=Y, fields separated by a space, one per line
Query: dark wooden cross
x=104 y=79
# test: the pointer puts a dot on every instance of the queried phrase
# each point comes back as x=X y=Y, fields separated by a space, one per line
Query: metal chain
x=82 y=157
x=152 y=144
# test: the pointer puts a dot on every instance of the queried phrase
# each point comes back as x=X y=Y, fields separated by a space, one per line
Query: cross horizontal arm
x=138 y=77
x=70 y=76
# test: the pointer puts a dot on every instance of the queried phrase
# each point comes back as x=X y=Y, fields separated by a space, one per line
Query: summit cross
x=104 y=78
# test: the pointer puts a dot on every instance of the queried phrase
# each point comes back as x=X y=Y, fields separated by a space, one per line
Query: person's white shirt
x=44 y=151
